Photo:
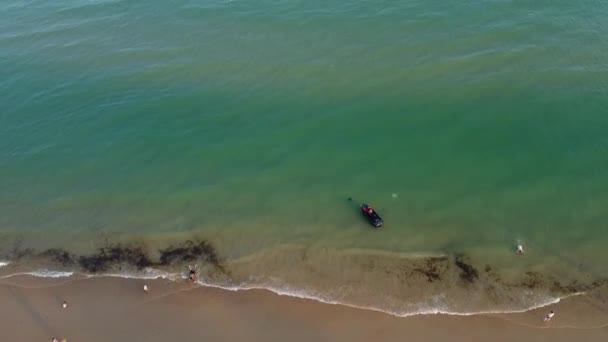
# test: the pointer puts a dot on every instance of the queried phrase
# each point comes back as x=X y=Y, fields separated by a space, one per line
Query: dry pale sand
x=116 y=309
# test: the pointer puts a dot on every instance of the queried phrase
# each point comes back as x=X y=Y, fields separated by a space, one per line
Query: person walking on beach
x=549 y=316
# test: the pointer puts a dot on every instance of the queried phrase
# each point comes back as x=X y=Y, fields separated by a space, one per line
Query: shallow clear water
x=250 y=124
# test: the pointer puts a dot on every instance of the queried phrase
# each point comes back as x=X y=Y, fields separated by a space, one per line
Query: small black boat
x=371 y=215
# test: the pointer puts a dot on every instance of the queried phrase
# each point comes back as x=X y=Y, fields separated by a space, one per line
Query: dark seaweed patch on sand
x=59 y=256
x=533 y=280
x=22 y=253
x=432 y=268
x=134 y=255
x=189 y=251
x=115 y=255
x=468 y=273
x=573 y=287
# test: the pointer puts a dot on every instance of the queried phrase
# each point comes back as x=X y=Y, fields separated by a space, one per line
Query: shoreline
x=31 y=311
x=155 y=275
x=395 y=284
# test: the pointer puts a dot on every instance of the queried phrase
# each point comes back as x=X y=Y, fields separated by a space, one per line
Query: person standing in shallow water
x=192 y=274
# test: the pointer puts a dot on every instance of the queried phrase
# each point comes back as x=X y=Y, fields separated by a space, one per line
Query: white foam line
x=130 y=276
x=41 y=274
x=303 y=295
x=4 y=263
x=149 y=273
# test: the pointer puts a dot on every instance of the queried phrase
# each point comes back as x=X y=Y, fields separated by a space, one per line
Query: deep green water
x=249 y=124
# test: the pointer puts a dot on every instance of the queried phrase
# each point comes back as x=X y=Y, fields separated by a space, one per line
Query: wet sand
x=117 y=309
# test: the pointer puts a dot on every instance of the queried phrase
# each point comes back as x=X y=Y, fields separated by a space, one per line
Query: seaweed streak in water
x=133 y=255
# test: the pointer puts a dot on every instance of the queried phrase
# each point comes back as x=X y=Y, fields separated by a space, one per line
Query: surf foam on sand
x=42 y=274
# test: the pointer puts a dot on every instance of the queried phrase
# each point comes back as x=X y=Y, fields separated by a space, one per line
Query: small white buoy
x=65 y=305
x=146 y=288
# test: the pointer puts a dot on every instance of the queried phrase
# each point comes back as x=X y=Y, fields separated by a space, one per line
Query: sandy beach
x=117 y=309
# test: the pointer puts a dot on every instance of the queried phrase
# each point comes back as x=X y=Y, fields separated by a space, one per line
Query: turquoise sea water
x=470 y=126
